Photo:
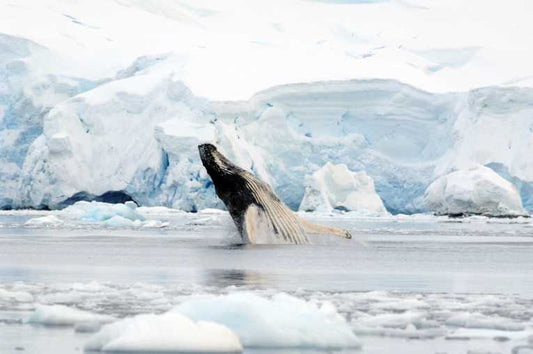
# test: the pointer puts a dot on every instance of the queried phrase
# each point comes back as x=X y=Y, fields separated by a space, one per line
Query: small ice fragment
x=476 y=320
x=17 y=296
x=155 y=224
x=49 y=220
x=59 y=315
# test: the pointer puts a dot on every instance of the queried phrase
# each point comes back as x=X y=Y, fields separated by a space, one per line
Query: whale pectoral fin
x=312 y=228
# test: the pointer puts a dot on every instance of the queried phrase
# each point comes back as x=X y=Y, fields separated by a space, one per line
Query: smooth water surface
x=434 y=261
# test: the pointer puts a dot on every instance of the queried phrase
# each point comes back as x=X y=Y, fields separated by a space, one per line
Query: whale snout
x=204 y=148
x=206 y=151
x=214 y=162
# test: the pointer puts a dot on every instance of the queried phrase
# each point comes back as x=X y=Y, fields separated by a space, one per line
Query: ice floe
x=477 y=320
x=15 y=296
x=116 y=215
x=99 y=211
x=281 y=321
x=49 y=220
x=168 y=332
x=59 y=315
x=268 y=318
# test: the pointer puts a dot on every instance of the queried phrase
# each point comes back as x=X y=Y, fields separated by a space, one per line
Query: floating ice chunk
x=336 y=187
x=98 y=211
x=59 y=315
x=168 y=332
x=401 y=304
x=18 y=296
x=479 y=190
x=392 y=320
x=282 y=321
x=155 y=223
x=408 y=332
x=482 y=333
x=49 y=220
x=92 y=286
x=477 y=320
x=212 y=211
x=119 y=221
x=159 y=210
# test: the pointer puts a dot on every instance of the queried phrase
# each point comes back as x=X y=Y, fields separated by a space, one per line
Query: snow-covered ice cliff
x=138 y=136
x=87 y=113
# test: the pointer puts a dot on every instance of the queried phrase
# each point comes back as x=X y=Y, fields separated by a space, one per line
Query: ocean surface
x=405 y=284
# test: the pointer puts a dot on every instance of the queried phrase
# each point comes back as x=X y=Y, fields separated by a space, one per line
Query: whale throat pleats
x=285 y=224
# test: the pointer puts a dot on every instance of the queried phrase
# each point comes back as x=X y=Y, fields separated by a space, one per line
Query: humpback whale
x=254 y=207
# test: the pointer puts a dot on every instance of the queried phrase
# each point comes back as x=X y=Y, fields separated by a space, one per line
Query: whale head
x=216 y=164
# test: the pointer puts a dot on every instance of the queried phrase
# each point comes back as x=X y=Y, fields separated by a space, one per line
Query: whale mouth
x=214 y=162
x=206 y=154
x=206 y=150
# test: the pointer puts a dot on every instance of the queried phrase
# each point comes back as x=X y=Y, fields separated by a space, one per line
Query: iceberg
x=476 y=191
x=336 y=187
x=168 y=332
x=280 y=322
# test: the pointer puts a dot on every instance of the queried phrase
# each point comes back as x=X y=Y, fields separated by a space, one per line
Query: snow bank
x=114 y=214
x=59 y=315
x=282 y=321
x=478 y=190
x=168 y=332
x=336 y=187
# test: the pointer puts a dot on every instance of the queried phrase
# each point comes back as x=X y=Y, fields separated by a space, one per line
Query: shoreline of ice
x=98 y=214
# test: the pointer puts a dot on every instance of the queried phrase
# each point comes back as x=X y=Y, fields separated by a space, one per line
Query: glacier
x=25 y=98
x=137 y=136
x=86 y=113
